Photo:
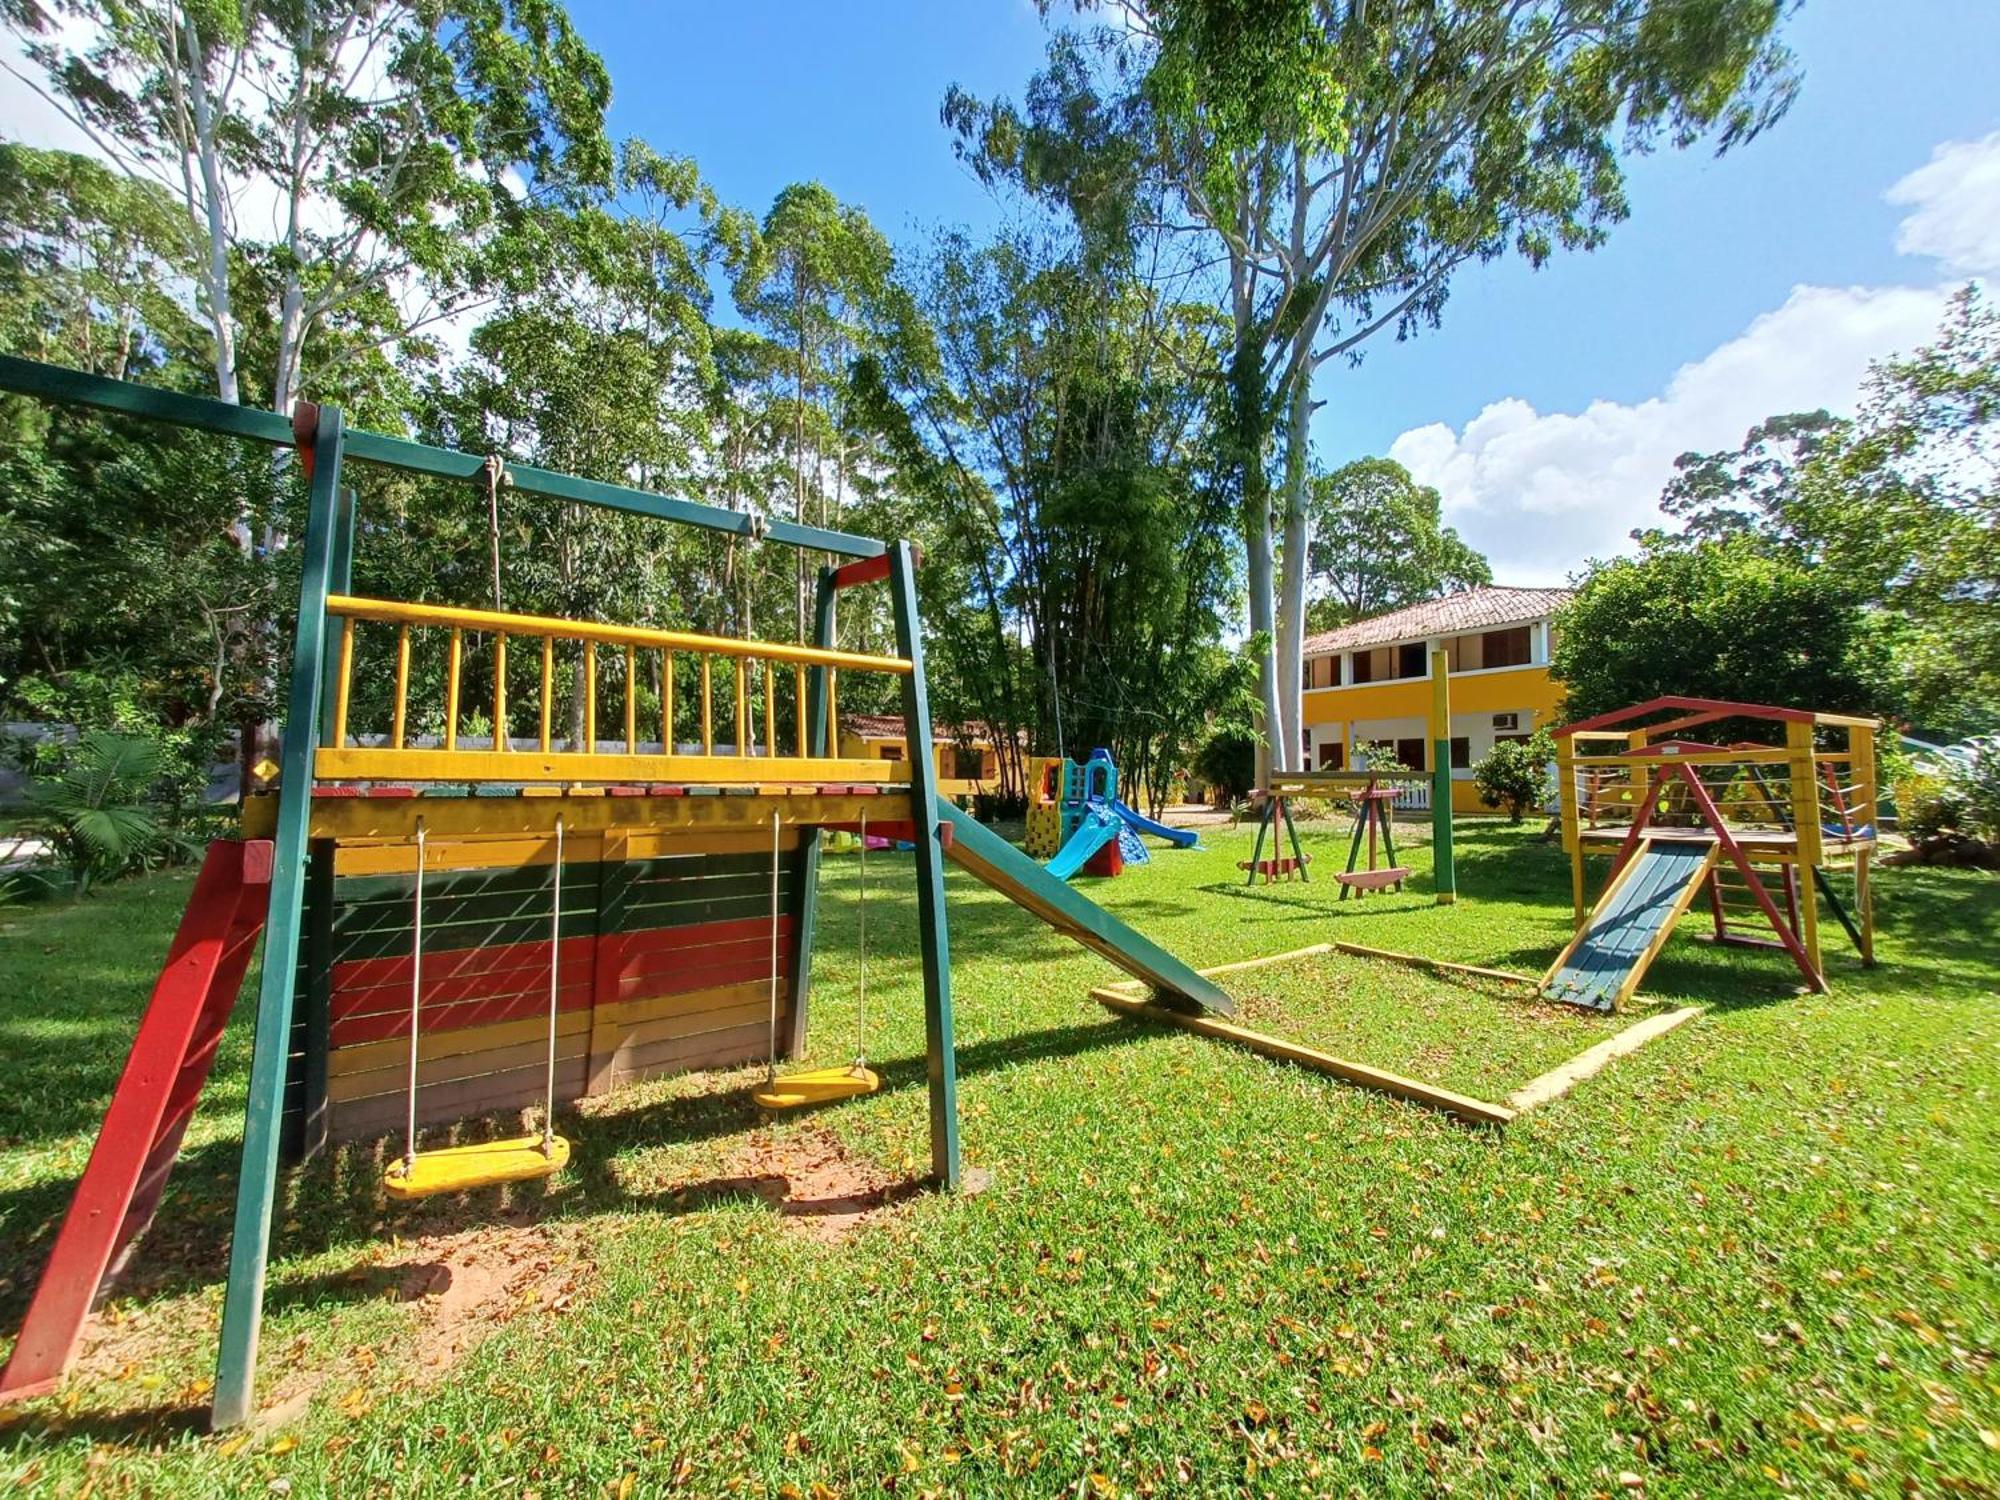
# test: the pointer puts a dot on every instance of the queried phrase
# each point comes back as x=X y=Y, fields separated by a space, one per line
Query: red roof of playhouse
x=890 y=727
x=1486 y=608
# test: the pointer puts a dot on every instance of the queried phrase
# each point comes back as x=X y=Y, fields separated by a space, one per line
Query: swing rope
x=861 y=975
x=771 y=1058
x=416 y=1006
x=555 y=966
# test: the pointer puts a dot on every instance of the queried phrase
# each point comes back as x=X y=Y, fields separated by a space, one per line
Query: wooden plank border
x=1459 y=1106
x=1560 y=1080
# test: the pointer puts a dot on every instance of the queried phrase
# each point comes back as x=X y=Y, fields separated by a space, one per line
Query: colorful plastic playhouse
x=1076 y=820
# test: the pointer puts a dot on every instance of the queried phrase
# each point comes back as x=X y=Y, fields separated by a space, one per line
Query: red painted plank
x=149 y=1109
x=867 y=570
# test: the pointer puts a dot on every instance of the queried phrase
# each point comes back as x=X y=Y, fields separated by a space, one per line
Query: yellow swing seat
x=817 y=1086
x=458 y=1169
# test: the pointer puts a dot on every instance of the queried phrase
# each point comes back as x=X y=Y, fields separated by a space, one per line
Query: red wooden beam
x=1720 y=707
x=150 y=1108
x=869 y=570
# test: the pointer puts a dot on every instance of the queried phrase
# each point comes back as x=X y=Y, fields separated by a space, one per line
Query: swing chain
x=495 y=471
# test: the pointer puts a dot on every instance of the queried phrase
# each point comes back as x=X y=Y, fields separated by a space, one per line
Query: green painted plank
x=243 y=1301
x=54 y=383
x=933 y=937
x=982 y=852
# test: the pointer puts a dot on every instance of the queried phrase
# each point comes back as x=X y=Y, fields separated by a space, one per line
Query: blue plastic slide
x=1180 y=838
x=1099 y=827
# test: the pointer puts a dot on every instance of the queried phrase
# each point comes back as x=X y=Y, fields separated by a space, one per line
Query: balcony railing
x=755 y=675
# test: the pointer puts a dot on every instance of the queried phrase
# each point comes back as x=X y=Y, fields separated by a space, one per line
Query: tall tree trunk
x=1249 y=414
x=211 y=203
x=1296 y=539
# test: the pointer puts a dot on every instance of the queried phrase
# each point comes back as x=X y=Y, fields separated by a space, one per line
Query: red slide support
x=149 y=1111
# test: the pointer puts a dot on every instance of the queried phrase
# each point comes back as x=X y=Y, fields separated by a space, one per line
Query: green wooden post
x=339 y=580
x=805 y=883
x=931 y=932
x=1264 y=821
x=256 y=1184
x=1298 y=850
x=1444 y=867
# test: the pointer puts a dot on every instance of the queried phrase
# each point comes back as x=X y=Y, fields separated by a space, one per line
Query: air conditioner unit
x=1506 y=723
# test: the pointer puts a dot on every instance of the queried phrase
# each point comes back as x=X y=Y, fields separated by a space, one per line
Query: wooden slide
x=983 y=853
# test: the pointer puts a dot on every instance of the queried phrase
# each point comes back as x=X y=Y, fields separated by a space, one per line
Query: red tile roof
x=890 y=727
x=1487 y=608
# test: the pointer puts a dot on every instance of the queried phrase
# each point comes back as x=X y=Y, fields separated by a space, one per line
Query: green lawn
x=1758 y=1255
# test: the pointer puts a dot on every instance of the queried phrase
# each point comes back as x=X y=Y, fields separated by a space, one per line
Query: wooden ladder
x=149 y=1111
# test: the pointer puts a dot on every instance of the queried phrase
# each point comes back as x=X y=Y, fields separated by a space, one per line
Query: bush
x=1515 y=774
x=1227 y=761
x=1953 y=797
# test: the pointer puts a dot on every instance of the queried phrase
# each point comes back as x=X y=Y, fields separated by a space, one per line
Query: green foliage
x=1227 y=760
x=1514 y=774
x=1379 y=543
x=1899 y=507
x=1955 y=796
x=96 y=806
x=1716 y=620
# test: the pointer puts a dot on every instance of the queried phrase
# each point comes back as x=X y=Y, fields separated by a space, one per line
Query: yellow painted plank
x=671 y=819
x=1560 y=1080
x=1463 y=1106
x=394 y=612
x=360 y=763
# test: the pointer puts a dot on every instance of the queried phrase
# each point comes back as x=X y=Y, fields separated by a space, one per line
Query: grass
x=1758 y=1255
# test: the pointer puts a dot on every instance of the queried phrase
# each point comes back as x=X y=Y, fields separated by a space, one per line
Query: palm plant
x=93 y=811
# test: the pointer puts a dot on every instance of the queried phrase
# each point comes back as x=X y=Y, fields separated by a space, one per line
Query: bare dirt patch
x=810 y=1181
x=466 y=1285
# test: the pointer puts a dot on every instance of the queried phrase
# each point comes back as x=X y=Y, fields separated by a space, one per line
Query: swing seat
x=459 y=1169
x=816 y=1086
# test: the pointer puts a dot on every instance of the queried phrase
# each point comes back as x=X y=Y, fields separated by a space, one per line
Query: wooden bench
x=1364 y=881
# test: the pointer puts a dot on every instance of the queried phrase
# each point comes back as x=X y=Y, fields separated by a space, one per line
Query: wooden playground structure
x=464 y=925
x=1757 y=826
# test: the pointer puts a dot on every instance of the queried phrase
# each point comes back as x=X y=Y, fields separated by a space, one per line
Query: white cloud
x=1540 y=492
x=1956 y=219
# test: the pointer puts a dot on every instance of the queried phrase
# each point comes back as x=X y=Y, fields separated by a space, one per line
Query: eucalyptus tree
x=1345 y=158
x=816 y=285
x=383 y=158
x=607 y=373
x=1048 y=410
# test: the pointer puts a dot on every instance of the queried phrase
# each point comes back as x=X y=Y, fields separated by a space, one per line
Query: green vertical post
x=805 y=880
x=339 y=580
x=256 y=1184
x=932 y=937
x=1444 y=868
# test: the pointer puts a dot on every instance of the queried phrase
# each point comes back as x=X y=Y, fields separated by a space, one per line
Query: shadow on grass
x=187 y=1246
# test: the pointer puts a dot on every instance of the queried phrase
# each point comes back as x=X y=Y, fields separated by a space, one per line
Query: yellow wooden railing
x=747 y=760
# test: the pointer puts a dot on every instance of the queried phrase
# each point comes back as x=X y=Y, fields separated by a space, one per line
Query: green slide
x=984 y=854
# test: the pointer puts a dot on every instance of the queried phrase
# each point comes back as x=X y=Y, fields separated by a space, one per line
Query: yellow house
x=961 y=752
x=1367 y=684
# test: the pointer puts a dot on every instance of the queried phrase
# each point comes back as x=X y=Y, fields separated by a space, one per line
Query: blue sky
x=1549 y=408
x=1550 y=404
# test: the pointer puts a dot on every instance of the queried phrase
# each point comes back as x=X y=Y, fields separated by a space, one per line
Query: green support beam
x=932 y=937
x=54 y=383
x=1444 y=865
x=256 y=1184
